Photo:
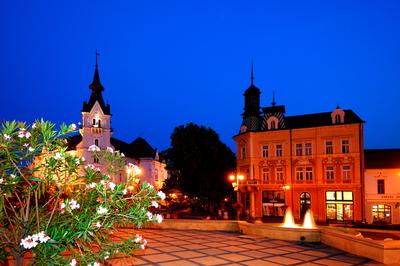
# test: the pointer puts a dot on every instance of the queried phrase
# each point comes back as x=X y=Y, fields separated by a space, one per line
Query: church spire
x=252 y=72
x=96 y=86
x=273 y=98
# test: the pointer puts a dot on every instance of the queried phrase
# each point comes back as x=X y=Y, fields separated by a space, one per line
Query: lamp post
x=235 y=180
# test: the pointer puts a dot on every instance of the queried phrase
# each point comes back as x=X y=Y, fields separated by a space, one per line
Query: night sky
x=166 y=63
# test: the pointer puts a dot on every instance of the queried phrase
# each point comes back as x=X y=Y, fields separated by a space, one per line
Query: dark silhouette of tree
x=199 y=163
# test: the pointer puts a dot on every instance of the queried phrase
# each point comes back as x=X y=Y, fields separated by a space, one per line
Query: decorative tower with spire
x=251 y=114
x=96 y=120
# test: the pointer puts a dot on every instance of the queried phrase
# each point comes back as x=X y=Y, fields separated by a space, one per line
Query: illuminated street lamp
x=236 y=178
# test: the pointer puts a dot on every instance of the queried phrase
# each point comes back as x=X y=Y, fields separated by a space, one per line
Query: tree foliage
x=199 y=163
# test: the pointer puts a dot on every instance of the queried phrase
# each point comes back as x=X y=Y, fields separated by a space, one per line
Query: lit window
x=96 y=122
x=329 y=147
x=265 y=175
x=330 y=173
x=381 y=186
x=347 y=195
x=279 y=174
x=330 y=195
x=309 y=174
x=278 y=150
x=264 y=151
x=299 y=173
x=308 y=149
x=299 y=149
x=346 y=173
x=345 y=146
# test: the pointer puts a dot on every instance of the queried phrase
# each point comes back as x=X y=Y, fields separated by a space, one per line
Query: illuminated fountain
x=288 y=222
x=307 y=224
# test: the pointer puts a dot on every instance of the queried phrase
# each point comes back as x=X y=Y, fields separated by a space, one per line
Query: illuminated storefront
x=339 y=206
x=273 y=203
x=381 y=213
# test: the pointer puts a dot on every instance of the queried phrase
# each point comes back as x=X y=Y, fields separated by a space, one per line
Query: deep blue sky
x=165 y=63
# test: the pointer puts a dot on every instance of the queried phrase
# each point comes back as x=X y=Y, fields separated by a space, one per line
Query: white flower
x=21 y=133
x=73 y=127
x=62 y=206
x=149 y=215
x=125 y=191
x=93 y=148
x=111 y=185
x=28 y=242
x=7 y=137
x=27 y=135
x=83 y=159
x=138 y=238
x=91 y=185
x=159 y=218
x=26 y=145
x=98 y=224
x=143 y=246
x=150 y=186
x=109 y=149
x=12 y=176
x=1 y=180
x=161 y=195
x=57 y=156
x=122 y=155
x=77 y=161
x=96 y=264
x=102 y=210
x=103 y=182
x=91 y=166
x=31 y=149
x=154 y=204
x=74 y=205
x=73 y=262
x=34 y=125
x=41 y=236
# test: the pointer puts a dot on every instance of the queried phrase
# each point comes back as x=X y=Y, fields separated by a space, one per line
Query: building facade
x=382 y=186
x=312 y=161
x=96 y=130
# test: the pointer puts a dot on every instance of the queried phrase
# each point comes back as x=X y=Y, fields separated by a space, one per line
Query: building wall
x=390 y=197
x=251 y=165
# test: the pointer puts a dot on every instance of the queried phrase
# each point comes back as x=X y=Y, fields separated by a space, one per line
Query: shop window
x=339 y=206
x=381 y=213
x=381 y=186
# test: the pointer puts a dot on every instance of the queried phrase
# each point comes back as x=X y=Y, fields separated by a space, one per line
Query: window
x=345 y=146
x=243 y=152
x=96 y=122
x=264 y=151
x=309 y=175
x=299 y=149
x=328 y=147
x=330 y=173
x=96 y=142
x=299 y=174
x=381 y=186
x=308 y=149
x=278 y=150
x=273 y=126
x=346 y=173
x=381 y=213
x=337 y=119
x=265 y=175
x=279 y=174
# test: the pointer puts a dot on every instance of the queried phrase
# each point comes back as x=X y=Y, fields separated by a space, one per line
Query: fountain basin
x=276 y=231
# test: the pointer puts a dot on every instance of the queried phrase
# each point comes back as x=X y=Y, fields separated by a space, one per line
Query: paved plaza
x=191 y=247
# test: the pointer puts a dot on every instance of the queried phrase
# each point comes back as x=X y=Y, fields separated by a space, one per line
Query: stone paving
x=191 y=247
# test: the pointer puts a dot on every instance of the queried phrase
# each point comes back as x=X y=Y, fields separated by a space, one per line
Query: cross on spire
x=252 y=72
x=97 y=54
x=273 y=98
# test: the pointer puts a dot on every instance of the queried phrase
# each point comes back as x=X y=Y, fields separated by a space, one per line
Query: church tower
x=96 y=120
x=251 y=114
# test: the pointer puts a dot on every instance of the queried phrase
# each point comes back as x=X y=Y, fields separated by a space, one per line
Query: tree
x=199 y=163
x=59 y=211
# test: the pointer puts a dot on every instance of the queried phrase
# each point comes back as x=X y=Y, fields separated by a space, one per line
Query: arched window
x=337 y=119
x=305 y=203
x=96 y=142
x=272 y=122
x=273 y=125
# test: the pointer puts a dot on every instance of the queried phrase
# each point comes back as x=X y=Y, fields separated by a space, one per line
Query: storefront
x=273 y=203
x=339 y=206
x=381 y=213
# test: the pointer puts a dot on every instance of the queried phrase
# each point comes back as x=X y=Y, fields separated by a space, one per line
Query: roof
x=382 y=158
x=96 y=94
x=140 y=148
x=73 y=141
x=274 y=109
x=252 y=89
x=320 y=119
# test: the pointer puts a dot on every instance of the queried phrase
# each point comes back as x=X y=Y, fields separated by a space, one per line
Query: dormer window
x=337 y=116
x=272 y=122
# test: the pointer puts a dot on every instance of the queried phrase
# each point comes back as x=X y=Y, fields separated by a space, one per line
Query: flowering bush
x=59 y=211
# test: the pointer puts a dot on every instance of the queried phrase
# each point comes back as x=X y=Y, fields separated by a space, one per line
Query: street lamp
x=235 y=186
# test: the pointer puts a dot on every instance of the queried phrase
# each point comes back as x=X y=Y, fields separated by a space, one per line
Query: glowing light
x=231 y=177
x=309 y=220
x=289 y=220
x=286 y=187
x=240 y=177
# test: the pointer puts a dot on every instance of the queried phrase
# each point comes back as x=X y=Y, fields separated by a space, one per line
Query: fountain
x=308 y=223
x=309 y=220
x=288 y=222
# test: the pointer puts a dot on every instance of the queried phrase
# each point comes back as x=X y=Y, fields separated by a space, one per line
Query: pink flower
x=161 y=195
x=154 y=204
x=111 y=185
x=74 y=205
x=27 y=135
x=1 y=180
x=149 y=215
x=109 y=149
x=98 y=225
x=73 y=262
x=93 y=148
x=7 y=137
x=102 y=210
x=159 y=218
x=73 y=127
